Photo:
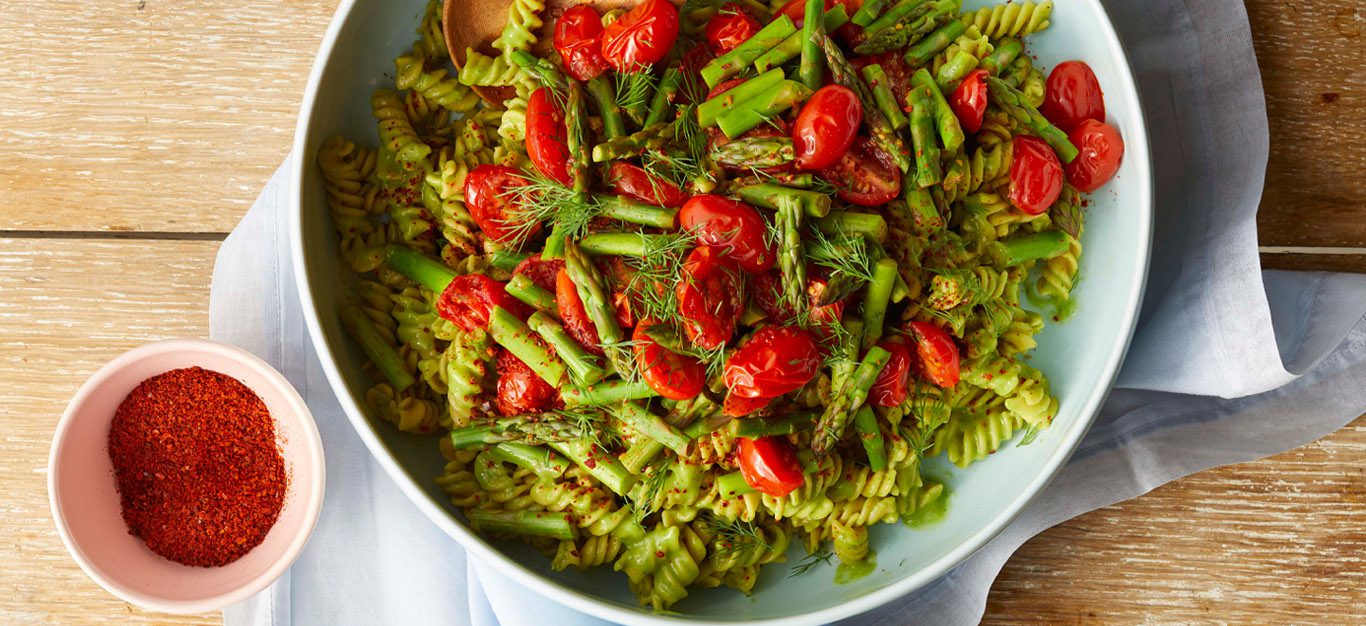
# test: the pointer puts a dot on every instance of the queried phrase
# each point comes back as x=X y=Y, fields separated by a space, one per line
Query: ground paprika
x=199 y=473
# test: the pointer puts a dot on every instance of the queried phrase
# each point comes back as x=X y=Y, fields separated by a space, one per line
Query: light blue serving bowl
x=1081 y=356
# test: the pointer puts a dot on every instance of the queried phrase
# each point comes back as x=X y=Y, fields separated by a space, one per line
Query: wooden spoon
x=477 y=23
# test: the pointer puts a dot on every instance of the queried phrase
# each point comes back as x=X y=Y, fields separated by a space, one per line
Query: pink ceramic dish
x=85 y=500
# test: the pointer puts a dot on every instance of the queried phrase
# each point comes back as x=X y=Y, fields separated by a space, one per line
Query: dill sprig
x=735 y=536
x=656 y=273
x=542 y=200
x=633 y=89
x=645 y=498
x=592 y=423
x=843 y=254
x=822 y=555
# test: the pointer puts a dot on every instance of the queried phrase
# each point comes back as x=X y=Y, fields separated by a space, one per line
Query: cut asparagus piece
x=1015 y=105
x=950 y=131
x=865 y=421
x=882 y=93
x=709 y=111
x=651 y=425
x=600 y=88
x=535 y=429
x=812 y=65
x=610 y=392
x=514 y=335
x=583 y=367
x=769 y=196
x=529 y=523
x=791 y=47
x=761 y=108
x=848 y=400
x=884 y=135
x=386 y=359
x=731 y=63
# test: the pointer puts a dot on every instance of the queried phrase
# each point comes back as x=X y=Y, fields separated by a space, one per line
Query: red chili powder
x=198 y=470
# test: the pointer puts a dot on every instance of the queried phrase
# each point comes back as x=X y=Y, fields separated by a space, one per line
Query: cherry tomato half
x=488 y=195
x=541 y=271
x=1035 y=175
x=969 y=101
x=1072 y=95
x=642 y=36
x=547 y=139
x=730 y=27
x=892 y=384
x=672 y=375
x=578 y=39
x=520 y=390
x=738 y=406
x=469 y=300
x=937 y=354
x=632 y=181
x=865 y=175
x=709 y=298
x=775 y=361
x=826 y=127
x=767 y=293
x=770 y=465
x=575 y=318
x=1100 y=149
x=734 y=228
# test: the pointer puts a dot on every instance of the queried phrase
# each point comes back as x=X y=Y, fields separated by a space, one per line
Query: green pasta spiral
x=466 y=362
x=1012 y=19
x=850 y=542
x=520 y=31
x=435 y=85
x=396 y=133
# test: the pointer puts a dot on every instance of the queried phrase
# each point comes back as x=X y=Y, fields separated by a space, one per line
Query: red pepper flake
x=198 y=470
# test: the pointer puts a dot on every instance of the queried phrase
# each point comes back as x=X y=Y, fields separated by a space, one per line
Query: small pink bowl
x=85 y=500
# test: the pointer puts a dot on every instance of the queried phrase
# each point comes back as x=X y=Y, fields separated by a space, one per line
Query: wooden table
x=136 y=133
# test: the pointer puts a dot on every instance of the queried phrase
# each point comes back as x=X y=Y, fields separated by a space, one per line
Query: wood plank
x=1310 y=54
x=69 y=306
x=1355 y=263
x=1277 y=541
x=147 y=115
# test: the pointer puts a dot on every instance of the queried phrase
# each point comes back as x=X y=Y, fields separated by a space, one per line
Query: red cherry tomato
x=547 y=137
x=865 y=175
x=672 y=375
x=641 y=37
x=520 y=390
x=578 y=39
x=469 y=300
x=541 y=271
x=708 y=298
x=969 y=101
x=737 y=406
x=767 y=289
x=488 y=195
x=730 y=27
x=1072 y=95
x=572 y=313
x=775 y=361
x=734 y=228
x=1035 y=175
x=1100 y=149
x=891 y=386
x=826 y=127
x=770 y=465
x=632 y=181
x=937 y=354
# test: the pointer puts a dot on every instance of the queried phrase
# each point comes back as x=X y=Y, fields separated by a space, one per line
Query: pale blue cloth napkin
x=1229 y=364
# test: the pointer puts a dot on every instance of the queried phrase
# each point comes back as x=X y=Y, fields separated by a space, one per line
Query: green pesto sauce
x=930 y=514
x=850 y=572
x=1064 y=309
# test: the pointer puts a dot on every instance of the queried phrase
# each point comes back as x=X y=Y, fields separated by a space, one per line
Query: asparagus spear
x=759 y=427
x=583 y=367
x=870 y=225
x=761 y=108
x=651 y=425
x=847 y=401
x=755 y=152
x=1032 y=247
x=533 y=429
x=791 y=256
x=541 y=69
x=424 y=270
x=523 y=289
x=661 y=107
x=542 y=461
x=869 y=12
x=1014 y=104
x=622 y=244
x=685 y=414
x=383 y=355
x=601 y=90
x=813 y=62
x=627 y=146
x=610 y=392
x=507 y=259
x=924 y=213
x=597 y=462
x=875 y=300
x=514 y=335
x=529 y=523
x=732 y=484
x=634 y=89
x=928 y=170
x=933 y=43
x=770 y=196
x=596 y=303
x=955 y=69
x=897 y=13
x=917 y=23
x=884 y=135
x=900 y=290
x=619 y=208
x=865 y=421
x=576 y=122
x=1002 y=56
x=731 y=63
x=950 y=131
x=709 y=111
x=882 y=93
x=791 y=47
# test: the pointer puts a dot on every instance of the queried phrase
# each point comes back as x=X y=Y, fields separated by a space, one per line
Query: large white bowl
x=1082 y=356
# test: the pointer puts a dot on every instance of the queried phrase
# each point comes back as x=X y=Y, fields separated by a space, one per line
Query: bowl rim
x=311 y=443
x=1137 y=151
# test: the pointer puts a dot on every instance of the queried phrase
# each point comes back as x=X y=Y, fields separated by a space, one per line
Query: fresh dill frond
x=821 y=556
x=735 y=536
x=633 y=89
x=841 y=254
x=544 y=201
x=591 y=423
x=645 y=498
x=656 y=273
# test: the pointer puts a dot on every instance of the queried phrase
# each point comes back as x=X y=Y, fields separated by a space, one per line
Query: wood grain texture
x=66 y=308
x=1311 y=53
x=148 y=115
x=1355 y=263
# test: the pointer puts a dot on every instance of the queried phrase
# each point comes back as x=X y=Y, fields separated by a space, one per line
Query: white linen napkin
x=1229 y=364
